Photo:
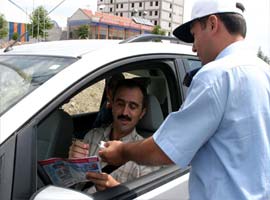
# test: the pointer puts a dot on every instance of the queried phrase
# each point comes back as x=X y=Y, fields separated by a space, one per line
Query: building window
x=170 y=15
x=122 y=5
x=169 y=24
x=116 y=5
x=144 y=13
x=156 y=13
x=140 y=5
x=132 y=14
x=150 y=13
x=121 y=14
x=155 y=22
x=151 y=3
x=140 y=13
x=156 y=3
x=169 y=33
x=110 y=9
x=116 y=14
x=170 y=6
x=132 y=5
x=111 y=1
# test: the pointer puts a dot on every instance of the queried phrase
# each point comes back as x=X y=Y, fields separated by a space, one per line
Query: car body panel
x=96 y=59
x=72 y=48
x=176 y=189
x=57 y=193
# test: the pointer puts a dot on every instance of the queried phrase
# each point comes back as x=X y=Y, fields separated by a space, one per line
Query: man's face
x=202 y=41
x=127 y=108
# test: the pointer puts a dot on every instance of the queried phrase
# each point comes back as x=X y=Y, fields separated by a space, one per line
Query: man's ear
x=143 y=113
x=213 y=22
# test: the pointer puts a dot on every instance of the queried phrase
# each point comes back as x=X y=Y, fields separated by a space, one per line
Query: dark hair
x=131 y=83
x=233 y=22
x=112 y=80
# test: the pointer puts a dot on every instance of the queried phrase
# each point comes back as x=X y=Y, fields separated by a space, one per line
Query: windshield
x=21 y=74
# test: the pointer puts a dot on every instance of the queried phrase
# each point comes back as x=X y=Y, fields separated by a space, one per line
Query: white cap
x=203 y=8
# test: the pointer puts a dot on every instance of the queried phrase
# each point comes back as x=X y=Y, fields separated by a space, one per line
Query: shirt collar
x=235 y=47
x=126 y=138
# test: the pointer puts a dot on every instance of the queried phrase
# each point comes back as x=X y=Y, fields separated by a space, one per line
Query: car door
x=26 y=181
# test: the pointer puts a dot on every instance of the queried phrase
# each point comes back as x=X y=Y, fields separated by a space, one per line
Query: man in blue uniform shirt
x=227 y=142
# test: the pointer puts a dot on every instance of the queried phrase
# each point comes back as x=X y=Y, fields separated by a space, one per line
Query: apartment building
x=105 y=25
x=166 y=13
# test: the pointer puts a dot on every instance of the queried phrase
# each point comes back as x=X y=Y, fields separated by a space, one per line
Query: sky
x=257 y=15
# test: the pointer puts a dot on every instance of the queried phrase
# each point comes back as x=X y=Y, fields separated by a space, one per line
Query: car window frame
x=7 y=160
x=24 y=181
x=182 y=70
x=87 y=80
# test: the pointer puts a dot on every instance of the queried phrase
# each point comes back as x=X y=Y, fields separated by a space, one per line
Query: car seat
x=158 y=87
x=54 y=135
x=152 y=119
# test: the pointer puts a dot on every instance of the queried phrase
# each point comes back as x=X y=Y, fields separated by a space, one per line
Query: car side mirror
x=54 y=192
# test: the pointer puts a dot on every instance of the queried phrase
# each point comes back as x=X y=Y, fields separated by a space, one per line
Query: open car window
x=75 y=116
x=87 y=101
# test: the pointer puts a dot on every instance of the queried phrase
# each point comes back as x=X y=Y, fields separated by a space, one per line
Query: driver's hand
x=102 y=181
x=78 y=149
x=113 y=153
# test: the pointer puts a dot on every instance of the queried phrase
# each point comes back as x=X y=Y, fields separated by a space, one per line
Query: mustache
x=124 y=117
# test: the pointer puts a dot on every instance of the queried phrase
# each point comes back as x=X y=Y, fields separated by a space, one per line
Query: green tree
x=40 y=22
x=261 y=55
x=158 y=30
x=15 y=36
x=3 y=27
x=83 y=32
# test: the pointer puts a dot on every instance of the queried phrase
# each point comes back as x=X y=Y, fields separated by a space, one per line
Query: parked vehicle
x=52 y=91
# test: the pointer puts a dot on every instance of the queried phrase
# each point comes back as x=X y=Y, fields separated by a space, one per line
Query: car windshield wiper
x=9 y=47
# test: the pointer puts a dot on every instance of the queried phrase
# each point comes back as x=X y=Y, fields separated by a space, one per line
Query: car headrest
x=158 y=88
x=153 y=116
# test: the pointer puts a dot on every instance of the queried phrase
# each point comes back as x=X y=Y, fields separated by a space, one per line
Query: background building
x=55 y=33
x=106 y=26
x=166 y=13
x=16 y=21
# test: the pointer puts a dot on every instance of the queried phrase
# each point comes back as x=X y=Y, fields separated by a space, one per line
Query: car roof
x=77 y=48
x=72 y=48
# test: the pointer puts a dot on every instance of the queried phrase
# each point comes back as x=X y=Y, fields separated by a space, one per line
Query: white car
x=52 y=91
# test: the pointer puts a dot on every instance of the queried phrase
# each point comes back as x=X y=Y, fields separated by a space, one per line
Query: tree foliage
x=82 y=32
x=40 y=22
x=15 y=36
x=261 y=55
x=158 y=30
x=3 y=27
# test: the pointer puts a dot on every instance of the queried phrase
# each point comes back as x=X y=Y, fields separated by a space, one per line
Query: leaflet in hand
x=67 y=172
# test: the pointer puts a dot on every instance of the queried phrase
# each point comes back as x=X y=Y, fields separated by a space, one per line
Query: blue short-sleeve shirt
x=223 y=128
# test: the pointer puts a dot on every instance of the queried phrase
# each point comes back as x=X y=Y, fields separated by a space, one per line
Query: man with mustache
x=128 y=107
